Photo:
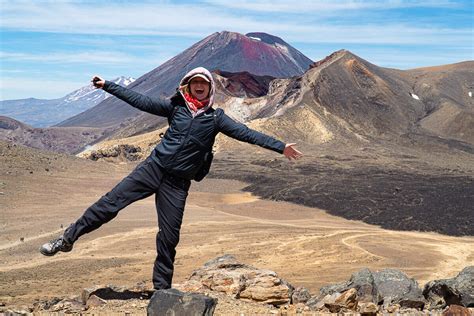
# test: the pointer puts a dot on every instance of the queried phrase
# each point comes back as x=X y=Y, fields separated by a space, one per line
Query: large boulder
x=396 y=288
x=387 y=287
x=174 y=302
x=458 y=290
x=225 y=274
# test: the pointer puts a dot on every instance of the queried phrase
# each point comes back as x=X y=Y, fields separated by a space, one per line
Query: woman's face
x=199 y=88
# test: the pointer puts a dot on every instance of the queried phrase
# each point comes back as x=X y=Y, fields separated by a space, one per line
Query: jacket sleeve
x=157 y=106
x=241 y=132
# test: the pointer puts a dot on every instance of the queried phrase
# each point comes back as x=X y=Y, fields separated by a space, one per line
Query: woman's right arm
x=157 y=106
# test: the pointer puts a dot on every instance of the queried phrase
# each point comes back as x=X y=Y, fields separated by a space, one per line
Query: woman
x=184 y=154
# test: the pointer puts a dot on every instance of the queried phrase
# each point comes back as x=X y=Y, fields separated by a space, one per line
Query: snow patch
x=255 y=38
x=284 y=49
x=470 y=94
x=124 y=80
x=414 y=96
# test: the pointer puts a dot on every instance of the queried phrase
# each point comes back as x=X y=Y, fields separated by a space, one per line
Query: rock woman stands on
x=184 y=154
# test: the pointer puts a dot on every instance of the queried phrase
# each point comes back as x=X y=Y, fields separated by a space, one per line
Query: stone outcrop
x=389 y=288
x=225 y=274
x=174 y=302
x=458 y=290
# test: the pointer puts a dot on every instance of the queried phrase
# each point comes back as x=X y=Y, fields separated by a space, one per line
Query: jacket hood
x=202 y=71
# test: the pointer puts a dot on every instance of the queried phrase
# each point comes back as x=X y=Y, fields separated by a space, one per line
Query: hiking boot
x=56 y=245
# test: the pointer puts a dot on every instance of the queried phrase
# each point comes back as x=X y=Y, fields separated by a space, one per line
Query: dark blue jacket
x=186 y=141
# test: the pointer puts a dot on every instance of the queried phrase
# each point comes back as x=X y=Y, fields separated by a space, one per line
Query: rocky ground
x=43 y=192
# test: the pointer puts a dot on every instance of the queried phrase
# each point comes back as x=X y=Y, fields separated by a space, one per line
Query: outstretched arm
x=157 y=106
x=241 y=132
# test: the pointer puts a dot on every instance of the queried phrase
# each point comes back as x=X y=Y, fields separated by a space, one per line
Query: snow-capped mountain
x=42 y=113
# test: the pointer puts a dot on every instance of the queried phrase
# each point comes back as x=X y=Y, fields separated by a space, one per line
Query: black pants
x=170 y=196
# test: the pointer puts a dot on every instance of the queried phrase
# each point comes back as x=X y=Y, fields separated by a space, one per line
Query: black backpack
x=208 y=156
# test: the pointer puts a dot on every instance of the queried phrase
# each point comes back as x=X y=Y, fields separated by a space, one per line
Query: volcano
x=259 y=53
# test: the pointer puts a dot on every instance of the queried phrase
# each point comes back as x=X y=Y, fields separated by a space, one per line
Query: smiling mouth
x=199 y=91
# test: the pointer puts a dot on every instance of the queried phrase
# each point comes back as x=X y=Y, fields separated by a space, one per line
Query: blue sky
x=50 y=48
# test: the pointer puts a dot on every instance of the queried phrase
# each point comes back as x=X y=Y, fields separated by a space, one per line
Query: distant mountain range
x=258 y=53
x=43 y=112
x=339 y=98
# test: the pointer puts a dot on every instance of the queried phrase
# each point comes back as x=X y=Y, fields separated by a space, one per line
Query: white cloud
x=199 y=20
x=325 y=6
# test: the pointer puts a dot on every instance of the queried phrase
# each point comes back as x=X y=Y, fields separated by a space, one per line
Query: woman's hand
x=292 y=153
x=98 y=82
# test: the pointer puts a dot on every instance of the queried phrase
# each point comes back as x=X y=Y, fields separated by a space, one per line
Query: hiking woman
x=184 y=154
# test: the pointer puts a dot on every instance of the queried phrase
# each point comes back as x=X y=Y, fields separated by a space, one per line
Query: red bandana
x=194 y=103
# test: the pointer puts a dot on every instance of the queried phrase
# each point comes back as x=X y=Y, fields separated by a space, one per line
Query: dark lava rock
x=395 y=287
x=363 y=281
x=458 y=290
x=333 y=288
x=174 y=302
x=386 y=287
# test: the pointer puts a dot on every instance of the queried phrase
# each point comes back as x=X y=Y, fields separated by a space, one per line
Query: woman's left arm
x=241 y=132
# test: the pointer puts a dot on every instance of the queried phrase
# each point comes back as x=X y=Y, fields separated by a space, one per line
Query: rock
x=395 y=287
x=265 y=286
x=225 y=274
x=347 y=300
x=174 y=302
x=87 y=292
x=388 y=286
x=46 y=305
x=333 y=288
x=391 y=308
x=367 y=309
x=458 y=290
x=318 y=304
x=456 y=310
x=300 y=295
x=439 y=294
x=362 y=280
x=69 y=305
x=94 y=301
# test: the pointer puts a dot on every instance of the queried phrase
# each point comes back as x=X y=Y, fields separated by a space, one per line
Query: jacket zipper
x=184 y=140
